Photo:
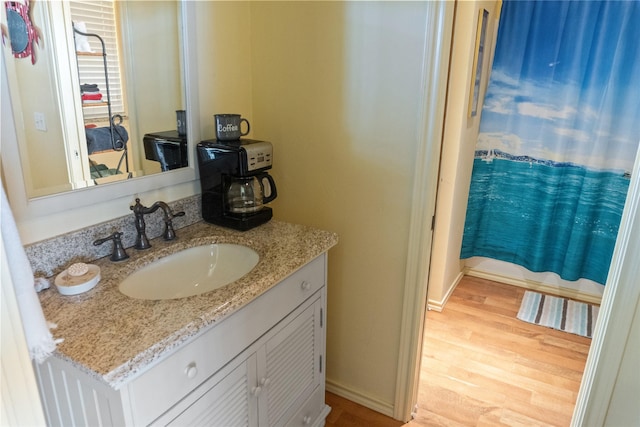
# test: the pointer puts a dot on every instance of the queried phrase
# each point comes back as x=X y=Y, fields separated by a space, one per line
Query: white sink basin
x=190 y=272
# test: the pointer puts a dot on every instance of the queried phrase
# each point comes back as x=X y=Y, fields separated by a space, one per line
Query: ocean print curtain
x=559 y=132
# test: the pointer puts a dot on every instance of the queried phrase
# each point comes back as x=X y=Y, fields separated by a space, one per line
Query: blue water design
x=545 y=217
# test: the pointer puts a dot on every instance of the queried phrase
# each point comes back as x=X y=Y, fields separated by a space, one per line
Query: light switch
x=41 y=123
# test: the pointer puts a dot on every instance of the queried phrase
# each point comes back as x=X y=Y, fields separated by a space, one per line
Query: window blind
x=99 y=18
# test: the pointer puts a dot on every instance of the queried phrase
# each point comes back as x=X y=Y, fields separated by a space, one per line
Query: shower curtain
x=559 y=130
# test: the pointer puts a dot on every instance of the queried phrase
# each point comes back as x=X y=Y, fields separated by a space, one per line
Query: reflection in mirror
x=64 y=106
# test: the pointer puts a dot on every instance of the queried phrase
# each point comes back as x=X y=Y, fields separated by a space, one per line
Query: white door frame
x=621 y=292
x=621 y=296
x=437 y=45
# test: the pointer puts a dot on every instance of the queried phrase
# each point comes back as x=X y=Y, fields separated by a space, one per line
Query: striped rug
x=558 y=313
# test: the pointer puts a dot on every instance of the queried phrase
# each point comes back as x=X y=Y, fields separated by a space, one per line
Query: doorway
x=610 y=297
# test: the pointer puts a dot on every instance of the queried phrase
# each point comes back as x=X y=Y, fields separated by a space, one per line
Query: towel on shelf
x=96 y=96
x=101 y=170
x=90 y=94
x=82 y=42
x=39 y=339
x=99 y=139
x=89 y=87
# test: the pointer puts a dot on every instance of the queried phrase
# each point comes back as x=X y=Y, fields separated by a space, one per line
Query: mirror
x=54 y=125
x=46 y=216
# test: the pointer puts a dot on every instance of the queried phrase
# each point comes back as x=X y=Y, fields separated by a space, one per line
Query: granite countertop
x=113 y=337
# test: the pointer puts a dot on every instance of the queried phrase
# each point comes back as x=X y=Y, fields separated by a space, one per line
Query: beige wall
x=224 y=61
x=336 y=88
x=151 y=57
x=460 y=135
x=33 y=90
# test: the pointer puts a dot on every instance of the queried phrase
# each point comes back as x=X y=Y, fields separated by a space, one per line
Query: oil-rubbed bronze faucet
x=118 y=254
x=139 y=211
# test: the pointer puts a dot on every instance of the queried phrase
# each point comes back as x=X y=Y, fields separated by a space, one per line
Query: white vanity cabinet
x=262 y=366
x=265 y=386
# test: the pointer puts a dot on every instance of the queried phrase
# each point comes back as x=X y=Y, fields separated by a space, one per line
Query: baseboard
x=535 y=286
x=372 y=403
x=439 y=305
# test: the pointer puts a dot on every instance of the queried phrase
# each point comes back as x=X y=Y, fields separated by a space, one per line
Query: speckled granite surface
x=51 y=256
x=112 y=337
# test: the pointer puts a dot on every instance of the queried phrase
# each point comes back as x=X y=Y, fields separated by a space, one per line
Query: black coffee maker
x=235 y=184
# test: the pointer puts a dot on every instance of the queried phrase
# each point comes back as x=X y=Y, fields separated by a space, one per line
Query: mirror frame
x=39 y=207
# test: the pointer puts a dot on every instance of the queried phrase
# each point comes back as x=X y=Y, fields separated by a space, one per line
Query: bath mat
x=558 y=313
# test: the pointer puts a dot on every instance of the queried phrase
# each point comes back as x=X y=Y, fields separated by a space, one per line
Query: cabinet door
x=290 y=366
x=227 y=401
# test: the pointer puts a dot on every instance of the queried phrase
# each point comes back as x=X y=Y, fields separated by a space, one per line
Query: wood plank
x=508 y=372
x=345 y=413
x=481 y=366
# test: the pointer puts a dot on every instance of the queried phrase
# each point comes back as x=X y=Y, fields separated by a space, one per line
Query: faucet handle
x=118 y=254
x=169 y=233
x=168 y=212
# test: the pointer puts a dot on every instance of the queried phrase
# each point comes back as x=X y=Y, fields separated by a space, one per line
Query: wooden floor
x=483 y=367
x=345 y=413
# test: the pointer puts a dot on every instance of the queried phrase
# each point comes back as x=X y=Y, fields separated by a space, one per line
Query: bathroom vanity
x=248 y=354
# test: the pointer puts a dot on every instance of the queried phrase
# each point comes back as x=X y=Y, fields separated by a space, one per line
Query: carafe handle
x=272 y=185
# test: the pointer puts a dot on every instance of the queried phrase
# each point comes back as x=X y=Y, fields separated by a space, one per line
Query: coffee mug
x=228 y=127
x=181 y=122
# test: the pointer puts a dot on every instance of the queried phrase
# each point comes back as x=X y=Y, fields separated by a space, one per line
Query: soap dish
x=69 y=284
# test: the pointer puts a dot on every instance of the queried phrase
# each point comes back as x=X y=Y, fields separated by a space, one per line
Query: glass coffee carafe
x=246 y=194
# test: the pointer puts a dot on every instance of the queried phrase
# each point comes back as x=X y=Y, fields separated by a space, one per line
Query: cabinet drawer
x=300 y=285
x=166 y=383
